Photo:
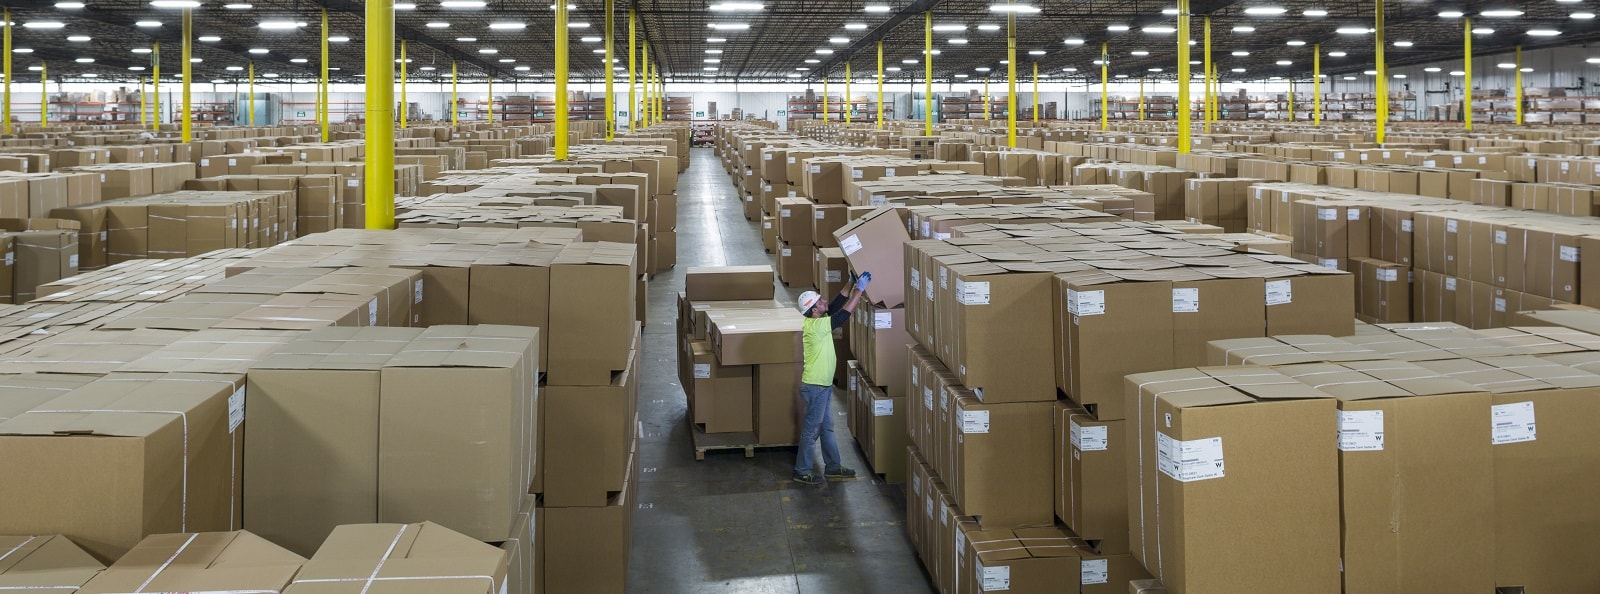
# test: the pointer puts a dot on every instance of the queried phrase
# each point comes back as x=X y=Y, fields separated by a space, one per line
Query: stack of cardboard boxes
x=739 y=356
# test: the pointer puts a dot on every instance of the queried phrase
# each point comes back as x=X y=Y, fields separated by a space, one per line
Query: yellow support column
x=825 y=114
x=7 y=50
x=1383 y=72
x=491 y=99
x=661 y=95
x=633 y=52
x=1466 y=70
x=986 y=100
x=252 y=100
x=1519 y=85
x=1011 y=79
x=849 y=105
x=380 y=114
x=880 y=85
x=1036 y=103
x=144 y=103
x=611 y=67
x=155 y=86
x=323 y=103
x=1316 y=84
x=644 y=83
x=405 y=106
x=1186 y=113
x=1210 y=109
x=1141 y=98
x=455 y=95
x=1291 y=99
x=927 y=73
x=561 y=36
x=44 y=94
x=1105 y=91
x=187 y=125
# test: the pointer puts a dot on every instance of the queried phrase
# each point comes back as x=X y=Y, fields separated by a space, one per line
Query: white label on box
x=944 y=277
x=1095 y=571
x=1185 y=300
x=102 y=236
x=236 y=410
x=972 y=293
x=417 y=293
x=372 y=312
x=1364 y=156
x=1500 y=304
x=785 y=213
x=764 y=188
x=850 y=245
x=878 y=200
x=1450 y=226
x=203 y=163
x=852 y=383
x=833 y=276
x=102 y=176
x=1087 y=439
x=787 y=252
x=1188 y=461
x=883 y=408
x=821 y=215
x=974 y=421
x=927 y=398
x=702 y=371
x=916 y=279
x=961 y=544
x=857 y=174
x=1086 y=303
x=927 y=229
x=816 y=169
x=941 y=236
x=794 y=194
x=764 y=224
x=1430 y=163
x=1500 y=237
x=1449 y=283
x=352 y=183
x=1388 y=274
x=791 y=160
x=11 y=259
x=930 y=289
x=1354 y=214
x=1328 y=214
x=1569 y=253
x=233 y=162
x=916 y=484
x=1360 y=430
x=995 y=579
x=1329 y=263
x=1514 y=423
x=914 y=375
x=882 y=320
x=766 y=156
x=72 y=260
x=1338 y=155
x=888 y=172
x=1405 y=226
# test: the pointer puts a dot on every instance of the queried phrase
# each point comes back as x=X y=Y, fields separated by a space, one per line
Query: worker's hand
x=863 y=281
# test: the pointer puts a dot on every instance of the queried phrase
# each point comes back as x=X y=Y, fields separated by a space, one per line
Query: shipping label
x=236 y=409
x=883 y=408
x=1095 y=571
x=974 y=421
x=1087 y=439
x=1280 y=292
x=850 y=245
x=1189 y=461
x=1086 y=303
x=1360 y=430
x=702 y=371
x=972 y=293
x=1514 y=423
x=994 y=579
x=1185 y=300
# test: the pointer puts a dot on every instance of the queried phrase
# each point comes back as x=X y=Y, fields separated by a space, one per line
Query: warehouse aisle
x=732 y=524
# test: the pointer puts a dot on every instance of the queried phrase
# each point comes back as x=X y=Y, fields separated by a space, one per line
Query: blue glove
x=863 y=281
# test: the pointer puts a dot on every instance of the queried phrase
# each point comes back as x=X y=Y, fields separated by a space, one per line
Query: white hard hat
x=809 y=300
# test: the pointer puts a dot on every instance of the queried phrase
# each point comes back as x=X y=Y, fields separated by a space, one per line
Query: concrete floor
x=732 y=524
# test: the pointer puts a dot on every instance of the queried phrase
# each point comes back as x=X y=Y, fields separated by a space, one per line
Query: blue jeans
x=817 y=424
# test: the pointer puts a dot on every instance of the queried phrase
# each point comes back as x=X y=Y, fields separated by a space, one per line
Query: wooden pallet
x=744 y=440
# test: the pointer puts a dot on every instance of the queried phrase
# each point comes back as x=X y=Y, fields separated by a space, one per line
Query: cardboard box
x=1091 y=478
x=796 y=264
x=522 y=549
x=795 y=221
x=997 y=332
x=777 y=403
x=1023 y=560
x=159 y=433
x=728 y=283
x=832 y=271
x=584 y=436
x=210 y=561
x=1190 y=476
x=586 y=549
x=459 y=393
x=1415 y=476
x=592 y=302
x=45 y=564
x=425 y=556
x=757 y=336
x=874 y=243
x=311 y=464
x=999 y=471
x=826 y=219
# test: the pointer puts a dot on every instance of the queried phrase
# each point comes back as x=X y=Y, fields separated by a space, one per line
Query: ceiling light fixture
x=1036 y=52
x=877 y=8
x=488 y=50
x=462 y=4
x=1116 y=27
x=26 y=50
x=209 y=38
x=78 y=38
x=1582 y=16
x=592 y=39
x=508 y=26
x=736 y=7
x=339 y=39
x=1265 y=10
x=729 y=26
x=438 y=25
x=57 y=24
x=1543 y=32
x=1314 y=12
x=1074 y=41
x=1241 y=54
x=958 y=41
x=259 y=50
x=1337 y=54
x=1403 y=44
x=1014 y=8
x=949 y=27
x=988 y=27
x=714 y=51
x=1139 y=53
x=855 y=26
x=175 y=4
x=298 y=60
x=839 y=40
x=1285 y=62
x=1352 y=30
x=1160 y=29
x=1500 y=14
x=281 y=25
x=69 y=5
x=1432 y=69
x=1295 y=43
x=239 y=6
x=1244 y=29
x=1482 y=31
x=136 y=68
x=1458 y=73
x=716 y=40
x=1238 y=70
x=84 y=60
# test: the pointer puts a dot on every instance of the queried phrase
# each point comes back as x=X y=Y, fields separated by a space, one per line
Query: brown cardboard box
x=999 y=340
x=1209 y=439
x=45 y=564
x=874 y=243
x=459 y=393
x=795 y=264
x=884 y=425
x=1091 y=478
x=1000 y=468
x=1108 y=574
x=105 y=462
x=1104 y=323
x=832 y=271
x=585 y=549
x=1416 y=476
x=425 y=557
x=826 y=219
x=728 y=283
x=795 y=221
x=592 y=302
x=522 y=548
x=1316 y=303
x=583 y=437
x=1385 y=291
x=777 y=403
x=311 y=463
x=1024 y=560
x=42 y=257
x=209 y=561
x=511 y=286
x=757 y=336
x=769 y=234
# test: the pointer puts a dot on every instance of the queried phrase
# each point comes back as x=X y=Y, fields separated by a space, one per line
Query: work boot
x=840 y=474
x=809 y=478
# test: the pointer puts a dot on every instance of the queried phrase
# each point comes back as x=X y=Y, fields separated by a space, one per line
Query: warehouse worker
x=816 y=380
